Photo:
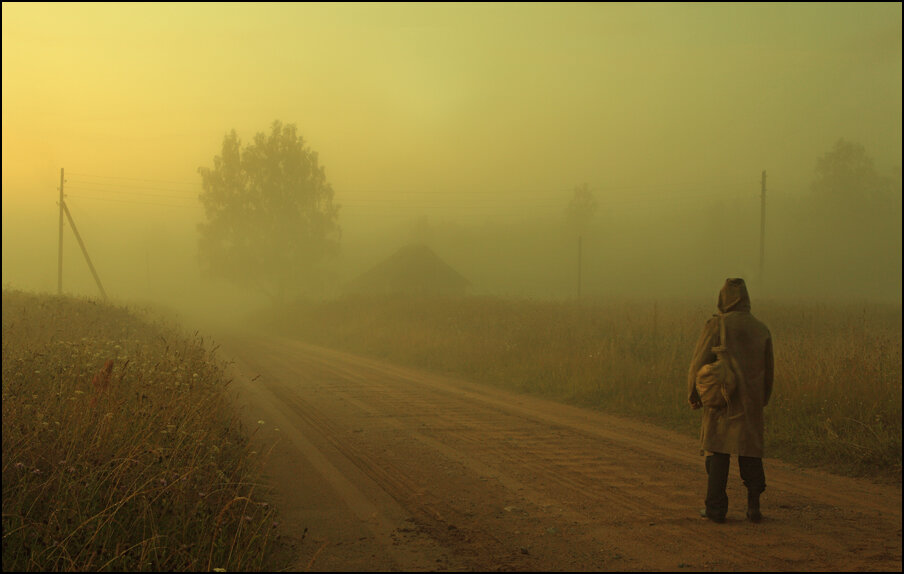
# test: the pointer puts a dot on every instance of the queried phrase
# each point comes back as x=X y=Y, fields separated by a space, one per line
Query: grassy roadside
x=837 y=398
x=142 y=467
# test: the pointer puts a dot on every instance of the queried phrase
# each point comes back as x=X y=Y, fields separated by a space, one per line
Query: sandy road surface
x=391 y=468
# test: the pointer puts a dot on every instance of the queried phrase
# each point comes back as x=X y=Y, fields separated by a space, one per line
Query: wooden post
x=580 y=245
x=762 y=228
x=60 y=258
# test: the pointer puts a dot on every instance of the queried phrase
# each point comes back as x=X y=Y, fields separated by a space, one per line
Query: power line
x=470 y=203
x=745 y=182
x=135 y=179
x=129 y=201
x=661 y=193
x=428 y=201
x=149 y=193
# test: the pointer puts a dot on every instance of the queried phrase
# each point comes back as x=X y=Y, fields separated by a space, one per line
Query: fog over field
x=468 y=128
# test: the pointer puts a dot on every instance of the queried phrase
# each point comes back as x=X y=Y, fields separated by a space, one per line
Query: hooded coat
x=737 y=428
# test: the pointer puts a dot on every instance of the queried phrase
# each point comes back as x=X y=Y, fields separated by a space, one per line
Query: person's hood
x=733 y=296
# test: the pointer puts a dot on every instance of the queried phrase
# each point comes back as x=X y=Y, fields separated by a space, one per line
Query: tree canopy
x=270 y=218
x=581 y=209
x=846 y=176
x=852 y=224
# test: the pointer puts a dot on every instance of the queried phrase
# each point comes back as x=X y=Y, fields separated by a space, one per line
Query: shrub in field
x=837 y=398
x=120 y=448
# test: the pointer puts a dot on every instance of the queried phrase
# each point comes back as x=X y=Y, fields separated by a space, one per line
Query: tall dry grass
x=837 y=398
x=145 y=468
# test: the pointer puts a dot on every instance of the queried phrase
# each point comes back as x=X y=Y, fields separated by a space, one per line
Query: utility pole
x=60 y=259
x=580 y=244
x=762 y=228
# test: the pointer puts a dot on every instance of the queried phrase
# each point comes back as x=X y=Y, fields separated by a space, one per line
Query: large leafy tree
x=270 y=218
x=852 y=226
x=581 y=209
x=846 y=178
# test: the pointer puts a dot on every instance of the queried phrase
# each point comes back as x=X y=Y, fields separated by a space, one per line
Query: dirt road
x=391 y=468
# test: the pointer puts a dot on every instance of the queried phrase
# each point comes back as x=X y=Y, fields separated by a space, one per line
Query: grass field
x=143 y=468
x=837 y=397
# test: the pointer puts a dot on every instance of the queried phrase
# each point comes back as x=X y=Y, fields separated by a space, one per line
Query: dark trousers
x=717 y=465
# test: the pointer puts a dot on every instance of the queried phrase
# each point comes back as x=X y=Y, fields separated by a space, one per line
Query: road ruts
x=442 y=474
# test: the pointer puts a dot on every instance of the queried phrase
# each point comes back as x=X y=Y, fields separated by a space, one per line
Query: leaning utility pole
x=60 y=259
x=762 y=227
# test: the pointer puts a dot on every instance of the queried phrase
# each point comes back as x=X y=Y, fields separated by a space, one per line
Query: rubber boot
x=753 y=507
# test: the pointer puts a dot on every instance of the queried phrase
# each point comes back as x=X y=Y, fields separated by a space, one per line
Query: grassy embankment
x=837 y=398
x=148 y=469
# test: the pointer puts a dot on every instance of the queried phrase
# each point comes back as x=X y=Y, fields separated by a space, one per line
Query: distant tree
x=846 y=177
x=852 y=226
x=270 y=217
x=581 y=209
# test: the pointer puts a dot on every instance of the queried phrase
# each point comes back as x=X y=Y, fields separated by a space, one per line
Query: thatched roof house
x=412 y=270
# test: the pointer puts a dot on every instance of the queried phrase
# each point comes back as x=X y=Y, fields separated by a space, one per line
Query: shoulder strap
x=722 y=341
x=721 y=347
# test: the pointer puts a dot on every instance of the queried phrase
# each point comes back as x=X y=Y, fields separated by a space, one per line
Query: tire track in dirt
x=458 y=424
x=839 y=490
x=604 y=485
x=503 y=481
x=429 y=512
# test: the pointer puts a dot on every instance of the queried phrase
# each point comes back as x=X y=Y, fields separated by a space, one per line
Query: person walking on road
x=737 y=427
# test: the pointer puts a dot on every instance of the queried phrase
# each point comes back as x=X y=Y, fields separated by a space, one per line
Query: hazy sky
x=468 y=108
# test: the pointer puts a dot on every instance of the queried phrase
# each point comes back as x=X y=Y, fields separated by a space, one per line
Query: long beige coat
x=737 y=429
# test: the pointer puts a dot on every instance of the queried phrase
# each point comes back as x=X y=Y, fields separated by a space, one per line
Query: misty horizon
x=466 y=128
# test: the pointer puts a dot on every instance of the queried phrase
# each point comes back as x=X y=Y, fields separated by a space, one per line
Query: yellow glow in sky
x=516 y=103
